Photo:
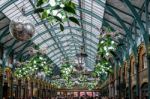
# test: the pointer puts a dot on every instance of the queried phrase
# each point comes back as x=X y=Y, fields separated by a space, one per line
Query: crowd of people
x=80 y=97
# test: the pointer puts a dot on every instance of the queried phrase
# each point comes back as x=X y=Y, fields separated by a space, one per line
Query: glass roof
x=67 y=43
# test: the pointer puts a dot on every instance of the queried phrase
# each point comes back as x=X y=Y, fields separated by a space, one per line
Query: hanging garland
x=35 y=65
x=106 y=46
x=57 y=11
x=66 y=80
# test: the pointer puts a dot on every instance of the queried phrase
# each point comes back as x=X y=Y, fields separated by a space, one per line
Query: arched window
x=142 y=58
x=134 y=71
x=144 y=61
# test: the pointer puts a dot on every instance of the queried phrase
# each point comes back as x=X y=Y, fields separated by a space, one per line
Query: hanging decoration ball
x=22 y=28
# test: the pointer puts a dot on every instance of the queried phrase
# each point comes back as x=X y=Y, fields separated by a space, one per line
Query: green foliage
x=66 y=70
x=106 y=50
x=67 y=75
x=36 y=64
x=74 y=20
x=64 y=9
x=102 y=69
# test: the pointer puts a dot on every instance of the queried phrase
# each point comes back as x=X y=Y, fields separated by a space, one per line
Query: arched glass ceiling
x=66 y=43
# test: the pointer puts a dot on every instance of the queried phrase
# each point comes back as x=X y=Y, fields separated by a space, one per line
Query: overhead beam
x=73 y=57
x=87 y=23
x=73 y=39
x=138 y=19
x=30 y=41
x=109 y=22
x=91 y=61
x=124 y=40
x=68 y=55
x=8 y=3
x=10 y=48
x=77 y=42
x=19 y=53
x=2 y=18
x=83 y=10
x=121 y=22
x=4 y=32
x=66 y=35
x=128 y=32
x=66 y=46
x=115 y=8
x=83 y=21
x=64 y=50
x=59 y=45
x=76 y=28
x=108 y=25
x=49 y=31
x=130 y=24
x=21 y=45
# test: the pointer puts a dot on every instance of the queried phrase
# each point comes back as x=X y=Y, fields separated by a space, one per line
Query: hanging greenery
x=66 y=70
x=101 y=71
x=105 y=49
x=67 y=81
x=57 y=11
x=33 y=66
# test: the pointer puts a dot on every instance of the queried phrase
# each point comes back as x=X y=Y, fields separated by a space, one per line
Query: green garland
x=36 y=64
x=57 y=11
x=66 y=76
x=106 y=46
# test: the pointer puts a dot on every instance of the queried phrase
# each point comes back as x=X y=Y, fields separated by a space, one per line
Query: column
x=129 y=77
x=124 y=82
x=41 y=90
x=38 y=86
x=1 y=83
x=109 y=86
x=148 y=59
x=26 y=89
x=19 y=88
x=148 y=42
x=119 y=93
x=50 y=91
x=137 y=77
x=11 y=86
x=31 y=88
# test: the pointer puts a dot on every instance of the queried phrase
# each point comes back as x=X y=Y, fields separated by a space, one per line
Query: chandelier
x=81 y=56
